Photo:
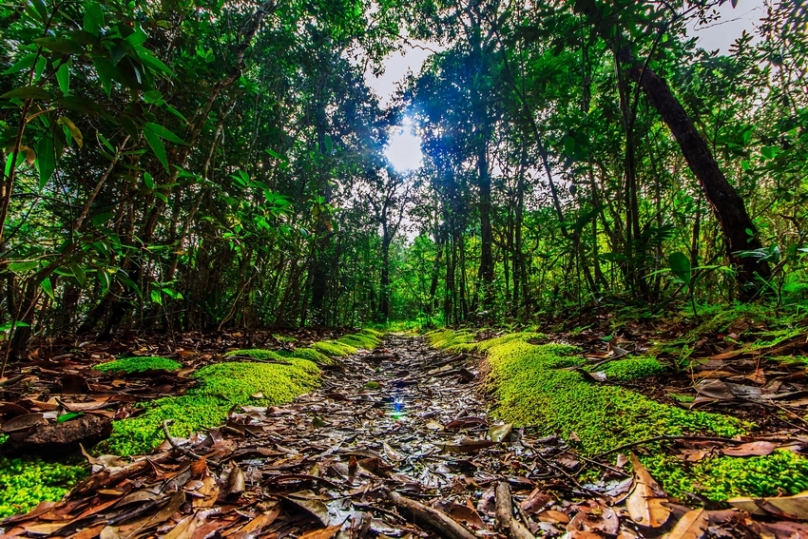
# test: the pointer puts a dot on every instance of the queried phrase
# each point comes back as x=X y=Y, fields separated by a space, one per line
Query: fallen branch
x=508 y=524
x=175 y=445
x=444 y=525
x=667 y=437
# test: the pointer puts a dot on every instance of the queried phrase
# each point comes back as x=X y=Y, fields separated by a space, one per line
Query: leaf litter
x=412 y=455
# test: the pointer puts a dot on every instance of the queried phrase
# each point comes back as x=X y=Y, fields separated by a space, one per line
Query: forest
x=604 y=235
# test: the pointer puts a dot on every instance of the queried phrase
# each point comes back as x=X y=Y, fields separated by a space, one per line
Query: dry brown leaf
x=184 y=529
x=324 y=533
x=692 y=525
x=209 y=492
x=500 y=432
x=553 y=516
x=254 y=527
x=793 y=506
x=752 y=449
x=646 y=503
x=594 y=516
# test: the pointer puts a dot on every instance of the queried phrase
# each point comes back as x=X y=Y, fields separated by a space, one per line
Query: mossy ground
x=221 y=386
x=26 y=481
x=634 y=368
x=139 y=364
x=534 y=387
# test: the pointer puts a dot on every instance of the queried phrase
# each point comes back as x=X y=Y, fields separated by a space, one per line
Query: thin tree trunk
x=739 y=231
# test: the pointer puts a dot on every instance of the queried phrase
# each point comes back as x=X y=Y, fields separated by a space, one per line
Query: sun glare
x=404 y=150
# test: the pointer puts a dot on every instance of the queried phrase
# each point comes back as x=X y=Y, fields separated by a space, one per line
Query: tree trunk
x=739 y=232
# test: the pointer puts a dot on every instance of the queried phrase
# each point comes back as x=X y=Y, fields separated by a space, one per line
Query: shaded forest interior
x=178 y=166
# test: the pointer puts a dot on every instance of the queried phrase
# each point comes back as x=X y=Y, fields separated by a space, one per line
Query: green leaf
x=101 y=218
x=68 y=416
x=63 y=78
x=329 y=144
x=106 y=142
x=156 y=297
x=680 y=266
x=47 y=287
x=157 y=147
x=164 y=133
x=23 y=267
x=46 y=160
x=26 y=92
x=148 y=180
x=93 y=18
x=152 y=96
x=149 y=59
x=62 y=45
x=24 y=63
x=79 y=274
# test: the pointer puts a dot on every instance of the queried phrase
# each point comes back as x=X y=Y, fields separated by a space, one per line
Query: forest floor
x=395 y=443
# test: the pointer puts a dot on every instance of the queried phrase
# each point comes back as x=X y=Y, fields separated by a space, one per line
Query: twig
x=508 y=524
x=175 y=445
x=669 y=438
x=444 y=525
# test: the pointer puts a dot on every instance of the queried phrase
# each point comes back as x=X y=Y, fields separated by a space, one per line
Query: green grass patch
x=634 y=368
x=26 y=481
x=221 y=386
x=139 y=364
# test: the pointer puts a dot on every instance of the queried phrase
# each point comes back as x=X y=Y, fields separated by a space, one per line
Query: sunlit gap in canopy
x=404 y=148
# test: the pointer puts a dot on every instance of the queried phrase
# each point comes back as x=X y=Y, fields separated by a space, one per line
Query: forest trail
x=403 y=418
x=395 y=443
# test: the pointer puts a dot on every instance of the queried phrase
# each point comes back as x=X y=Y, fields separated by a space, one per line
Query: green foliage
x=139 y=364
x=633 y=368
x=221 y=386
x=26 y=481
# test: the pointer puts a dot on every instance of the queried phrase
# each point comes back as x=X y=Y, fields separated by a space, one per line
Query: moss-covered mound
x=534 y=386
x=634 y=368
x=334 y=348
x=221 y=387
x=24 y=482
x=139 y=364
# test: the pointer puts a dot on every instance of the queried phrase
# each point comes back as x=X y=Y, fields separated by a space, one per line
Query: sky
x=404 y=149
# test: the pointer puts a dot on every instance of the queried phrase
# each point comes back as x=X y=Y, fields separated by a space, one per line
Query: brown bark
x=727 y=205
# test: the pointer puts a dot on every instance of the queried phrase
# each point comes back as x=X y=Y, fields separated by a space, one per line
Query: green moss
x=534 y=388
x=720 y=478
x=221 y=387
x=372 y=385
x=334 y=348
x=139 y=364
x=634 y=368
x=257 y=354
x=311 y=354
x=24 y=482
x=360 y=340
x=448 y=338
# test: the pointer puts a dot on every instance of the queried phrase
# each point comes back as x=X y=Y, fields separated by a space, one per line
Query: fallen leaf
x=793 y=506
x=392 y=454
x=22 y=422
x=500 y=432
x=324 y=533
x=467 y=446
x=646 y=503
x=594 y=516
x=553 y=516
x=692 y=525
x=752 y=449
